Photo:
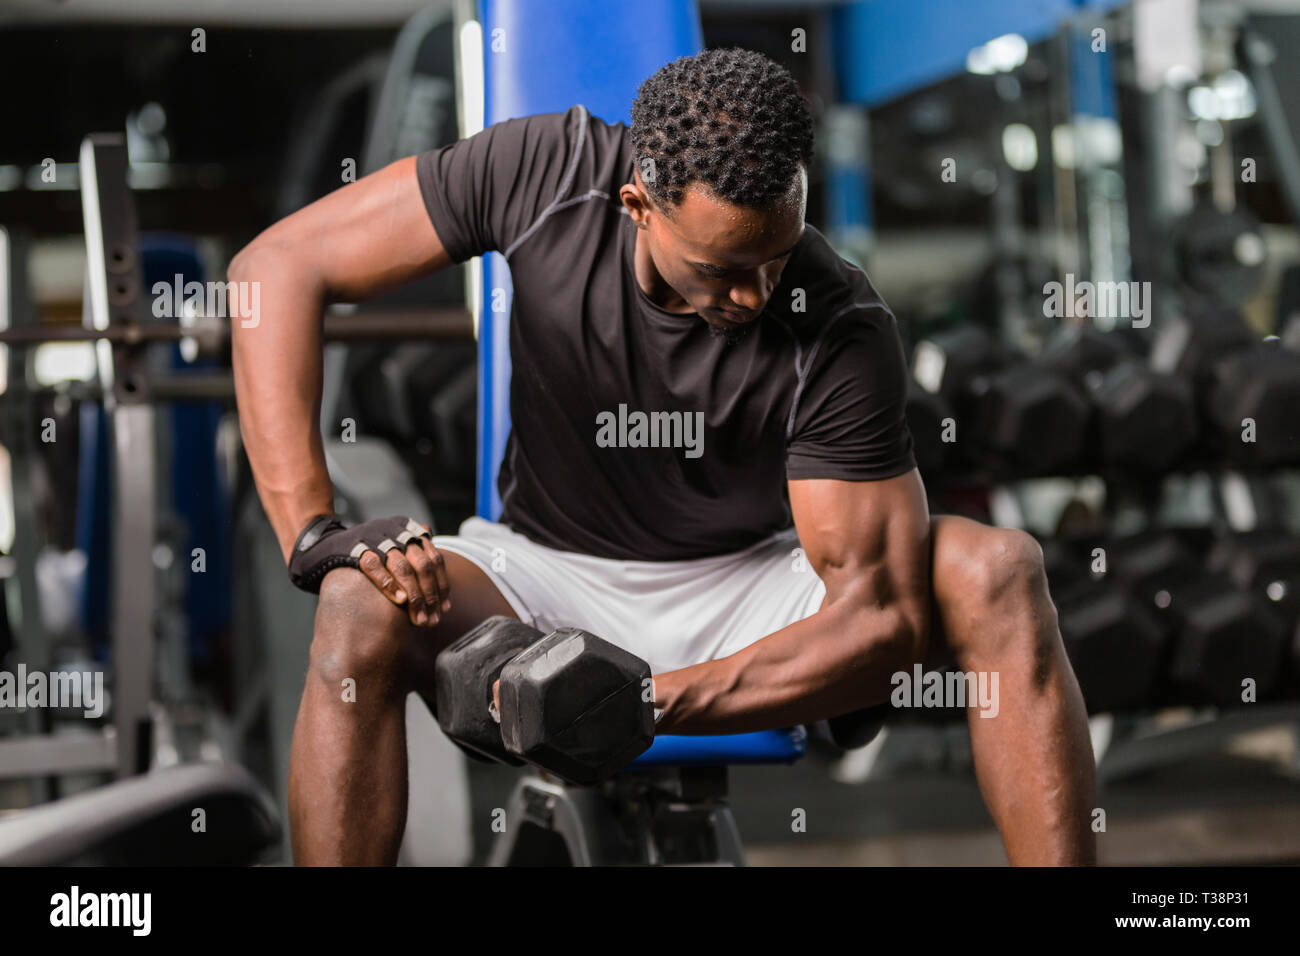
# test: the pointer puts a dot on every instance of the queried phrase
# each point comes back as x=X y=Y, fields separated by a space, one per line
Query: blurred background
x=1082 y=213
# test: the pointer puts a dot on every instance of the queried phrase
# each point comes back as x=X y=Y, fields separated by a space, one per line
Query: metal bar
x=113 y=289
x=56 y=754
x=426 y=324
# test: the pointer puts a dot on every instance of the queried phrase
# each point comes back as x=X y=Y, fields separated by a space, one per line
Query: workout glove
x=327 y=543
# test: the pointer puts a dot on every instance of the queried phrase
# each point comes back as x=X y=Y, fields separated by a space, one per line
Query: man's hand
x=396 y=554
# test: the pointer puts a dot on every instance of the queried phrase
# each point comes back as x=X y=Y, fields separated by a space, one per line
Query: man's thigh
x=474 y=598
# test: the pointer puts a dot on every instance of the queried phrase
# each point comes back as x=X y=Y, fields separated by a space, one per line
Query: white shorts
x=669 y=613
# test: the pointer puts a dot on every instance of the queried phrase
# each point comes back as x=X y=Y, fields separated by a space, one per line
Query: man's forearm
x=277 y=364
x=838 y=660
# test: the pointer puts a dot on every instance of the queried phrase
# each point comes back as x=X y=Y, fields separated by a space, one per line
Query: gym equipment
x=1226 y=635
x=1265 y=563
x=1116 y=645
x=1011 y=414
x=1142 y=419
x=576 y=705
x=464 y=674
x=1236 y=378
x=149 y=820
x=1221 y=255
x=926 y=413
x=144 y=818
x=1157 y=611
x=422 y=398
x=212 y=333
x=669 y=808
x=571 y=703
x=1162 y=627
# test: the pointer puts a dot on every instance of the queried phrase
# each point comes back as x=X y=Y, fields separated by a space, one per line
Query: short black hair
x=730 y=119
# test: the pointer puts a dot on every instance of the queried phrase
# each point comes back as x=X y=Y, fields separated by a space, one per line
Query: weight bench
x=667 y=808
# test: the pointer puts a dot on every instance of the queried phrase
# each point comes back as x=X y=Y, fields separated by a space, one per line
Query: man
x=684 y=349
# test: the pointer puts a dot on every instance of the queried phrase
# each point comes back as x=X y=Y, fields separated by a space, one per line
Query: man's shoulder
x=574 y=129
x=820 y=291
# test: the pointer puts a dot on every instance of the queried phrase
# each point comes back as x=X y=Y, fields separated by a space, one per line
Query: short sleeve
x=849 y=420
x=484 y=192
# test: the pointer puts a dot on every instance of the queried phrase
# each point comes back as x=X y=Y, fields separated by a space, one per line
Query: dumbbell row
x=1146 y=624
x=1093 y=399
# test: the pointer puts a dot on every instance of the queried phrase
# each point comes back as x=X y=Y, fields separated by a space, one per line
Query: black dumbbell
x=1011 y=414
x=1220 y=633
x=576 y=705
x=1226 y=635
x=1116 y=645
x=1155 y=568
x=1265 y=563
x=1235 y=377
x=1142 y=419
x=442 y=396
x=927 y=418
x=464 y=673
x=570 y=703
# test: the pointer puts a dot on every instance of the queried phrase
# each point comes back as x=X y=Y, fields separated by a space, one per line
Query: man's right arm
x=361 y=240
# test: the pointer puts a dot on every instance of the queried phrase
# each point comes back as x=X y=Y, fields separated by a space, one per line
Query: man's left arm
x=869 y=542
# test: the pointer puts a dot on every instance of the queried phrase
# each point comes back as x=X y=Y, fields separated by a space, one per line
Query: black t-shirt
x=596 y=461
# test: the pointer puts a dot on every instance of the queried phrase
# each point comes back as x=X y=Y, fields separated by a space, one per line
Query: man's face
x=722 y=260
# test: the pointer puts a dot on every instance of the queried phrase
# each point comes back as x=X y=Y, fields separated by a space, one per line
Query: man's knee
x=993 y=576
x=989 y=565
x=358 y=631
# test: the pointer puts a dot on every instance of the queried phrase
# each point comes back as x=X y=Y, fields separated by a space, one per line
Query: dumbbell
x=1142 y=419
x=570 y=703
x=1220 y=254
x=378 y=376
x=1265 y=563
x=1235 y=376
x=442 y=397
x=926 y=415
x=1017 y=415
x=1219 y=632
x=1115 y=644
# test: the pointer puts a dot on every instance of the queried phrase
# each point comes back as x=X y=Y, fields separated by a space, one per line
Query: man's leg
x=1033 y=761
x=347 y=768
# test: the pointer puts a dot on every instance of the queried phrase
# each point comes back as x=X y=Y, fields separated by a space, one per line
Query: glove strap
x=315 y=529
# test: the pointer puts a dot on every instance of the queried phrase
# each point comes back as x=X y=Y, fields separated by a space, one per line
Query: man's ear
x=636 y=201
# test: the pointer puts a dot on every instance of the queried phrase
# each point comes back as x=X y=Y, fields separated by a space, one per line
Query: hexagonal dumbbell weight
x=576 y=706
x=463 y=677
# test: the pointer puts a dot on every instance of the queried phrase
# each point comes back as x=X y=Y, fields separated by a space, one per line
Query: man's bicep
x=868 y=541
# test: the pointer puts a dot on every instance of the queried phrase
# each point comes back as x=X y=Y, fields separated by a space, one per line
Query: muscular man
x=694 y=370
